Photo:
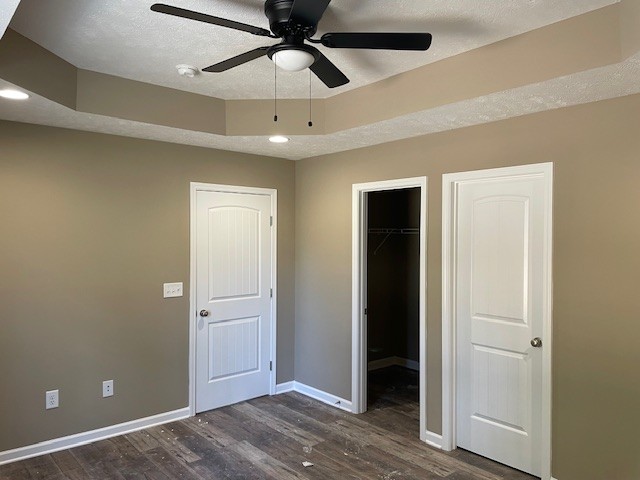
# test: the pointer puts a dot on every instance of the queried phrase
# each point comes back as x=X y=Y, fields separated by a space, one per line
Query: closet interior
x=392 y=276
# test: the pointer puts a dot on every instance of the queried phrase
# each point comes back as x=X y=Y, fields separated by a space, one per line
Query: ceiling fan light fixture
x=293 y=57
x=293 y=60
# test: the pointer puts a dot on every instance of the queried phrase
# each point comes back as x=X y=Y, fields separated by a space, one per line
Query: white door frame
x=450 y=186
x=211 y=187
x=358 y=293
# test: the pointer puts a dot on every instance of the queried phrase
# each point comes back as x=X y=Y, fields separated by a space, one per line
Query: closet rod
x=392 y=231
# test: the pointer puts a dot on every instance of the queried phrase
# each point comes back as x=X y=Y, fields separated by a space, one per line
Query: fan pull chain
x=275 y=91
x=310 y=122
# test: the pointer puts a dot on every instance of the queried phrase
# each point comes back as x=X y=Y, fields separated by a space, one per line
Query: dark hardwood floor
x=270 y=438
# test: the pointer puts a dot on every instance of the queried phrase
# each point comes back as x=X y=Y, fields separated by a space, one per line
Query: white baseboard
x=91 y=436
x=391 y=361
x=316 y=394
x=433 y=439
x=285 y=387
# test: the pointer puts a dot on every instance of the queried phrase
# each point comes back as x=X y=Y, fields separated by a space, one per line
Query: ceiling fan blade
x=326 y=71
x=308 y=12
x=383 y=41
x=201 y=17
x=237 y=60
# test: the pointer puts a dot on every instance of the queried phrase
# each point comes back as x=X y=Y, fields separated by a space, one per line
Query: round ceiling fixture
x=187 y=70
x=278 y=139
x=13 y=94
x=293 y=58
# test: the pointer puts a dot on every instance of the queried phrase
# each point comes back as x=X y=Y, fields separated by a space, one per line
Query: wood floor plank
x=131 y=464
x=272 y=467
x=172 y=466
x=104 y=470
x=210 y=431
x=295 y=432
x=77 y=474
x=42 y=467
x=227 y=463
x=240 y=427
x=87 y=455
x=142 y=441
x=65 y=461
x=169 y=441
x=14 y=471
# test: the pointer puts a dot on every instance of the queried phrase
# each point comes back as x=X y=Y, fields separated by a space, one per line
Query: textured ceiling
x=7 y=9
x=124 y=38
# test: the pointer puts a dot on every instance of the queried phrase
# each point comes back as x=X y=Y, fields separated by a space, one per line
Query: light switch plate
x=172 y=290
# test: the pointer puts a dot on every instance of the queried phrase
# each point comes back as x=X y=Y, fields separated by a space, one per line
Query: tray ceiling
x=468 y=77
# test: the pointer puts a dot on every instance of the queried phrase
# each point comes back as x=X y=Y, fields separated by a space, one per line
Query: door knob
x=536 y=342
x=204 y=313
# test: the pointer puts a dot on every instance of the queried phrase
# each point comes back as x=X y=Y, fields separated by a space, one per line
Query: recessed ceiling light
x=13 y=94
x=278 y=139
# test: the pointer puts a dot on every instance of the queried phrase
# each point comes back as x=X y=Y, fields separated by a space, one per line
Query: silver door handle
x=536 y=342
x=204 y=313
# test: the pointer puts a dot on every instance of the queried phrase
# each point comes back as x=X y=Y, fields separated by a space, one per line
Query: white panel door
x=233 y=301
x=499 y=309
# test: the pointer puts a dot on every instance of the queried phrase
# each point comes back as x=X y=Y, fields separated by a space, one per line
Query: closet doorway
x=389 y=324
x=393 y=273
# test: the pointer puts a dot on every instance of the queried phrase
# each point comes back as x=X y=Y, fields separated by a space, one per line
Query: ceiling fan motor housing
x=278 y=13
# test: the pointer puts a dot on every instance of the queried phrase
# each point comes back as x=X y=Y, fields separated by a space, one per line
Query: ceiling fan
x=295 y=21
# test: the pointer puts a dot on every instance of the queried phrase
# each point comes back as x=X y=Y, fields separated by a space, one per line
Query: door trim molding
x=196 y=187
x=450 y=185
x=358 y=330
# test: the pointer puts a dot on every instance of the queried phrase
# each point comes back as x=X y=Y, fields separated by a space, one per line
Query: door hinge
x=271 y=292
x=271 y=221
x=365 y=311
x=270 y=365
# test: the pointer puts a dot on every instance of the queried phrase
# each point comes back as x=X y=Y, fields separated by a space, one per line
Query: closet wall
x=393 y=255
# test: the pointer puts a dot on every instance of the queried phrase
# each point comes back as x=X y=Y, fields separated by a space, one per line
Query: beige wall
x=596 y=151
x=91 y=226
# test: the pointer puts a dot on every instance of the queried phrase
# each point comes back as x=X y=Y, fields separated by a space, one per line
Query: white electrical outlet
x=51 y=398
x=172 y=290
x=107 y=388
